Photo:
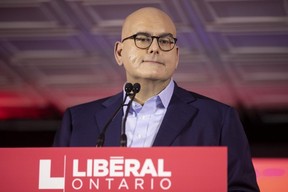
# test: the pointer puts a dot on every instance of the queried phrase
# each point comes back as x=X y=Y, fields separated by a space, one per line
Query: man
x=162 y=113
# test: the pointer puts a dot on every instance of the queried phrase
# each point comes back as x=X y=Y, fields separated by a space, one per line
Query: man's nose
x=154 y=47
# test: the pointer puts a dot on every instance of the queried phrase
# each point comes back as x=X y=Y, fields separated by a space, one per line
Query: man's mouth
x=152 y=61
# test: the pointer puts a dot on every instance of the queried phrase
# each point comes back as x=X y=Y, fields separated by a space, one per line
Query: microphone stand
x=123 y=137
x=101 y=137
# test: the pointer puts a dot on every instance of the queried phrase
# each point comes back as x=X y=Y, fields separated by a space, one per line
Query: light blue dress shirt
x=143 y=122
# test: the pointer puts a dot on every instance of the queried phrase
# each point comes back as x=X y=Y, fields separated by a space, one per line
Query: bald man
x=162 y=113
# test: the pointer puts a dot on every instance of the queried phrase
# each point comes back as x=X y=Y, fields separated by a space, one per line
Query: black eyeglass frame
x=156 y=37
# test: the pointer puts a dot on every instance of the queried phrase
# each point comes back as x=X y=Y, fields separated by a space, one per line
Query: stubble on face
x=148 y=68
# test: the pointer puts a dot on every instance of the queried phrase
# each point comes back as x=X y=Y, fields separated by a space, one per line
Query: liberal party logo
x=114 y=173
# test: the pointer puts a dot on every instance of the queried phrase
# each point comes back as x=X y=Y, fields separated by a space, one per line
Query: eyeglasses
x=165 y=42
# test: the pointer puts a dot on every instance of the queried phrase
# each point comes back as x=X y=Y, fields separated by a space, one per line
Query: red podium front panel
x=114 y=169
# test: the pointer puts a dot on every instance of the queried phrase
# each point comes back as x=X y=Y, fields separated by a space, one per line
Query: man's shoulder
x=198 y=99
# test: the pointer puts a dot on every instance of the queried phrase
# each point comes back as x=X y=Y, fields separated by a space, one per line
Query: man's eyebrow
x=166 y=34
x=143 y=33
x=149 y=34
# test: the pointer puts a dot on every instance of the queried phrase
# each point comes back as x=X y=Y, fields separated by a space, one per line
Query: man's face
x=151 y=63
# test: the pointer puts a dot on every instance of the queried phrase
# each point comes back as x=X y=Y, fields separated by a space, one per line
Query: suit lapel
x=112 y=135
x=178 y=115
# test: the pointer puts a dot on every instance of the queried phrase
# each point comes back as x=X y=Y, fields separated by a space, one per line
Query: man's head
x=155 y=62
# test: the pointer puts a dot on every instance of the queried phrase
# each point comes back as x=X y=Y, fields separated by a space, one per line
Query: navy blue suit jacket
x=190 y=120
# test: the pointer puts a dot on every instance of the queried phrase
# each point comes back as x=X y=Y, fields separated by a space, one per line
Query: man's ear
x=178 y=55
x=118 y=53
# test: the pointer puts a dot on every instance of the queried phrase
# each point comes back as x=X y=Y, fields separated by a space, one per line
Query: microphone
x=101 y=139
x=123 y=137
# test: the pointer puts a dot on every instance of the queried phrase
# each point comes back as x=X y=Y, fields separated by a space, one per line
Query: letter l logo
x=45 y=179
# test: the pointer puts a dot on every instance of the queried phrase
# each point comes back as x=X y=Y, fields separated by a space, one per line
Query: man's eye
x=165 y=41
x=143 y=39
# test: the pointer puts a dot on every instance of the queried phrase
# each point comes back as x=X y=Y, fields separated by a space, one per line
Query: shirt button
x=139 y=136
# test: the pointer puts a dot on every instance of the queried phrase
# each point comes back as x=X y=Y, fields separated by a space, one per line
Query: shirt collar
x=164 y=96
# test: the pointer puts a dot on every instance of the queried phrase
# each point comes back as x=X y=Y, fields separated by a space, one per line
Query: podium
x=87 y=169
